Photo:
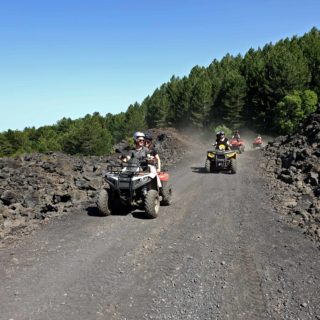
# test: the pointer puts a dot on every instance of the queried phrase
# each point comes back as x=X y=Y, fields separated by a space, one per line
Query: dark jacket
x=225 y=142
x=141 y=154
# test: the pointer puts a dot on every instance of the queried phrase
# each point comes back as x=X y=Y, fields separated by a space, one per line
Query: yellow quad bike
x=221 y=159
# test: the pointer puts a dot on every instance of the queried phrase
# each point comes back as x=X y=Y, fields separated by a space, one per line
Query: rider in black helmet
x=152 y=150
x=221 y=139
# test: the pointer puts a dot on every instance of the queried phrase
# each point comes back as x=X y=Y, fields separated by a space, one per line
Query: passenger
x=141 y=153
x=153 y=153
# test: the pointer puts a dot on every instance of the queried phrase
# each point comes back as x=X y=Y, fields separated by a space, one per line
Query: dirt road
x=218 y=252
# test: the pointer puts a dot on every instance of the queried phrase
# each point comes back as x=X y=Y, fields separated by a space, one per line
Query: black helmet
x=219 y=134
x=148 y=136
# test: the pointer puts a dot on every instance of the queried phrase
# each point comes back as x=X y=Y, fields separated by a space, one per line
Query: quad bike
x=257 y=143
x=237 y=145
x=221 y=160
x=133 y=186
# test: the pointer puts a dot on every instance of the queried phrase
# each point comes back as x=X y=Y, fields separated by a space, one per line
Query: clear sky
x=67 y=58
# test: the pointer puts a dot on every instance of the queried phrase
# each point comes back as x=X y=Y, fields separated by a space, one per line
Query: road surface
x=220 y=251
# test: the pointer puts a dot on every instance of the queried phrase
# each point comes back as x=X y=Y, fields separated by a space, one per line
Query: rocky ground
x=35 y=188
x=292 y=164
x=218 y=252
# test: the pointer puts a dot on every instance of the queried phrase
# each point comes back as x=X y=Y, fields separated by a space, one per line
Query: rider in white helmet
x=140 y=152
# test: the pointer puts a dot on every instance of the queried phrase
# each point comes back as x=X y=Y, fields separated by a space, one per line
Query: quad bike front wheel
x=207 y=166
x=233 y=166
x=103 y=203
x=152 y=204
x=166 y=193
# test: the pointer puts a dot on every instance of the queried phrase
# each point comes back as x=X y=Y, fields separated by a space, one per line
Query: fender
x=164 y=176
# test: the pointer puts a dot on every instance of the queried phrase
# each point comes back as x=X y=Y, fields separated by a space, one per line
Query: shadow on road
x=198 y=169
x=202 y=170
x=138 y=214
x=93 y=212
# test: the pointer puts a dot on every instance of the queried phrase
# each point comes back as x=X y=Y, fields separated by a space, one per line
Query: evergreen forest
x=271 y=90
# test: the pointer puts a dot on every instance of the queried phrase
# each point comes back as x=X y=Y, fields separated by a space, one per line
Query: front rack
x=130 y=169
x=115 y=168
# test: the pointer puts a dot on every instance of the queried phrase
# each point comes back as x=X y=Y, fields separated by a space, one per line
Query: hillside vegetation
x=271 y=89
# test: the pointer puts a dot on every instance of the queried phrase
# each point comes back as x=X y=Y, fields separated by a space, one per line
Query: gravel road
x=220 y=251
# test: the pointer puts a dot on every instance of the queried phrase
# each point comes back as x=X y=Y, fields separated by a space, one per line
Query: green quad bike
x=221 y=159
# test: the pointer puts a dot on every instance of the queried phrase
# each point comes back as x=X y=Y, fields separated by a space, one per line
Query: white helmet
x=138 y=134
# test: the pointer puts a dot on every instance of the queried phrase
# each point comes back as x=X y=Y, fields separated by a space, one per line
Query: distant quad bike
x=257 y=143
x=221 y=160
x=237 y=145
x=133 y=186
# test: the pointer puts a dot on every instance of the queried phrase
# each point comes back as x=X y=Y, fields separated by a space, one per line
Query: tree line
x=270 y=89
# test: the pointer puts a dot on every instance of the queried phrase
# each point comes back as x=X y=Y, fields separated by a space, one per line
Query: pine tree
x=233 y=99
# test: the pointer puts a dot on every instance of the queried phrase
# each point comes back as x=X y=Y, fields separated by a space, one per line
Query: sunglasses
x=139 y=140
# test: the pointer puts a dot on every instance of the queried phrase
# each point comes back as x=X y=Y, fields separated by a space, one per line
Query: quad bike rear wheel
x=166 y=193
x=208 y=165
x=152 y=204
x=103 y=203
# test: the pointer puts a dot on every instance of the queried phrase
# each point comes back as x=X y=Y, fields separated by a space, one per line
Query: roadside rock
x=37 y=187
x=292 y=163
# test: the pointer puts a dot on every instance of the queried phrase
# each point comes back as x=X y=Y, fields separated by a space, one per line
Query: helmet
x=138 y=134
x=148 y=136
x=219 y=134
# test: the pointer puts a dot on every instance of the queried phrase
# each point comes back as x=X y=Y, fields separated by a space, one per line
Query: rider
x=221 y=139
x=153 y=153
x=236 y=135
x=140 y=152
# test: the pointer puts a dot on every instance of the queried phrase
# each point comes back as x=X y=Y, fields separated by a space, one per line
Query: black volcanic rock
x=295 y=160
x=37 y=187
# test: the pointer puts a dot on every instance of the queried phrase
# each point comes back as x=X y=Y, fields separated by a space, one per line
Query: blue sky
x=70 y=58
